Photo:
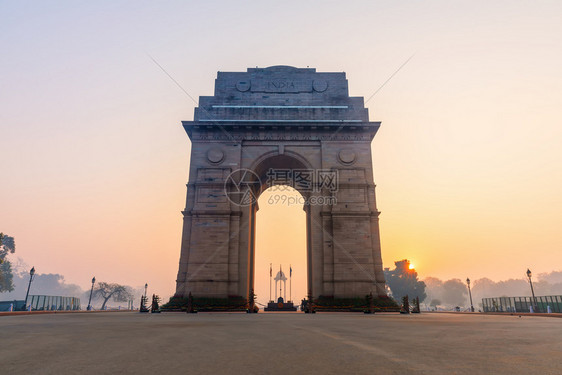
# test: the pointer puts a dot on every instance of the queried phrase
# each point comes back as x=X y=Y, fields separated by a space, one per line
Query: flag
x=270 y=270
x=290 y=271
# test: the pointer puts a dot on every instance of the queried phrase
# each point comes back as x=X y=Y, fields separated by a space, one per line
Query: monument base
x=379 y=304
x=280 y=305
x=202 y=304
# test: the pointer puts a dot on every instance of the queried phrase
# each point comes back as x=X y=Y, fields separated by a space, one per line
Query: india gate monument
x=281 y=126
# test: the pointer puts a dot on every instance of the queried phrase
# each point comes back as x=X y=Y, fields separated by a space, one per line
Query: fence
x=522 y=304
x=14 y=305
x=53 y=303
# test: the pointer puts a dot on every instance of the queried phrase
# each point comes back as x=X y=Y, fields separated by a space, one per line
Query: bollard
x=548 y=310
x=405 y=305
x=11 y=307
x=531 y=309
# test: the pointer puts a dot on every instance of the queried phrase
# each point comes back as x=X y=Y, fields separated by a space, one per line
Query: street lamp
x=470 y=294
x=31 y=273
x=534 y=303
x=144 y=301
x=91 y=291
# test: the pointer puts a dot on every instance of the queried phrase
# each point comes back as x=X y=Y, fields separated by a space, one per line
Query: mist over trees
x=450 y=293
x=454 y=292
x=53 y=284
x=401 y=281
x=43 y=284
x=116 y=292
x=551 y=278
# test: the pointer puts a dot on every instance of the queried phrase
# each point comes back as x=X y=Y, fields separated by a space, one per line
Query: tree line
x=16 y=278
x=400 y=281
x=434 y=292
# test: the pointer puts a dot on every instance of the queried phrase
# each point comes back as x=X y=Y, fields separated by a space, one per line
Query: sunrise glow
x=98 y=185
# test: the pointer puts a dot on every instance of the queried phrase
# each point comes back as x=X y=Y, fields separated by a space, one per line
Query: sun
x=411 y=266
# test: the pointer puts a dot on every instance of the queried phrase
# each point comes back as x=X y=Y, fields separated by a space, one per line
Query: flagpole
x=280 y=285
x=290 y=283
x=270 y=274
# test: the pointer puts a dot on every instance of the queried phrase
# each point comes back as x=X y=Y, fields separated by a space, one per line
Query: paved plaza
x=275 y=343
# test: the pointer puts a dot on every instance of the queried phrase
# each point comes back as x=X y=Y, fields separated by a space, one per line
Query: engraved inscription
x=281 y=86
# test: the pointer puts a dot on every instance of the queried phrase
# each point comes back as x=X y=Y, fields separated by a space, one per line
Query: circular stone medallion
x=320 y=86
x=347 y=156
x=215 y=155
x=243 y=86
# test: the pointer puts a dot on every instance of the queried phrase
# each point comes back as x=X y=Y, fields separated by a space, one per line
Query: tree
x=404 y=281
x=455 y=292
x=106 y=291
x=7 y=246
x=433 y=288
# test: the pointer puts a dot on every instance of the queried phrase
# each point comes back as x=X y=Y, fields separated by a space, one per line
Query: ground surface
x=275 y=343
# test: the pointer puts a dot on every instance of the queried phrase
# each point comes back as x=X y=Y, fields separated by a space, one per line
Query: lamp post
x=144 y=301
x=470 y=294
x=534 y=303
x=31 y=274
x=91 y=291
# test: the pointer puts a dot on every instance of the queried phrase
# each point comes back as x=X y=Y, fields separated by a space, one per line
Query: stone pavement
x=275 y=343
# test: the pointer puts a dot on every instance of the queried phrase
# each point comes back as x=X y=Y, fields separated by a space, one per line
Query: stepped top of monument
x=282 y=68
x=280 y=94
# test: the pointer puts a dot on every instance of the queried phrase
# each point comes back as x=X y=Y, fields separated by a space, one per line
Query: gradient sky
x=468 y=160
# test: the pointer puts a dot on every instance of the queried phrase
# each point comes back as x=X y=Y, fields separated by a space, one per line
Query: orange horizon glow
x=467 y=161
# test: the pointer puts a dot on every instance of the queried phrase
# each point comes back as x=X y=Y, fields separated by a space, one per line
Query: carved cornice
x=281 y=136
x=211 y=213
x=352 y=213
x=361 y=132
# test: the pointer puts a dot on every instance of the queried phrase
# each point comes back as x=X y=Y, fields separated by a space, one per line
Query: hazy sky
x=468 y=160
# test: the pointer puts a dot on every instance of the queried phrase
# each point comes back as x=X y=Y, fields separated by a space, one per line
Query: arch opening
x=281 y=236
x=281 y=239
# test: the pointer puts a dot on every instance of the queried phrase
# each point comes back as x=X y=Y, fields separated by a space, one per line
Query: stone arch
x=273 y=160
x=290 y=118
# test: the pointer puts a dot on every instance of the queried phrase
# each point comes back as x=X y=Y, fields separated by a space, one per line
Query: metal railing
x=54 y=303
x=541 y=304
